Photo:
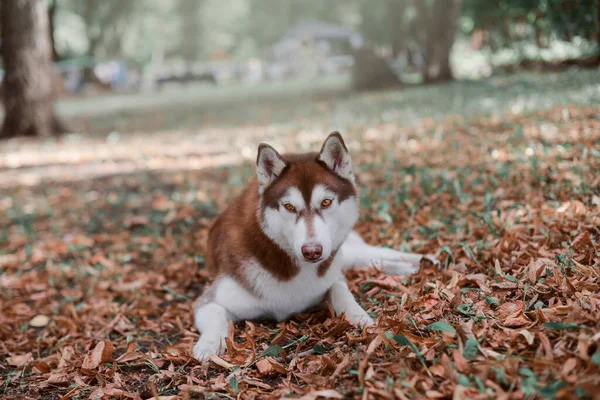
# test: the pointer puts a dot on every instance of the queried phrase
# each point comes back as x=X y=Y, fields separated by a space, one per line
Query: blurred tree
x=396 y=11
x=267 y=20
x=444 y=19
x=191 y=28
x=434 y=29
x=422 y=30
x=105 y=21
x=598 y=32
x=506 y=23
x=27 y=54
x=377 y=20
x=52 y=9
x=371 y=71
x=570 y=18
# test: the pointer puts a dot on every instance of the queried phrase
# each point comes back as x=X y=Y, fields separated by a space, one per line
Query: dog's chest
x=279 y=299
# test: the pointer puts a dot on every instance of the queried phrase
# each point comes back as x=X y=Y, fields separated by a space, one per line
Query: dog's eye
x=326 y=203
x=289 y=207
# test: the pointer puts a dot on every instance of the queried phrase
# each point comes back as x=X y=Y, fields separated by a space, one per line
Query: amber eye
x=289 y=207
x=326 y=203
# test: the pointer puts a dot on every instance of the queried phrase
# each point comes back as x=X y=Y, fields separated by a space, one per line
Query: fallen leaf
x=126 y=357
x=42 y=367
x=264 y=366
x=39 y=321
x=327 y=394
x=102 y=353
x=527 y=335
x=58 y=377
x=462 y=364
x=515 y=320
x=582 y=241
x=569 y=366
x=507 y=309
x=438 y=370
x=220 y=362
x=19 y=360
x=193 y=388
x=312 y=379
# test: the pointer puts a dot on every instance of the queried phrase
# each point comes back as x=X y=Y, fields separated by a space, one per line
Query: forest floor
x=102 y=243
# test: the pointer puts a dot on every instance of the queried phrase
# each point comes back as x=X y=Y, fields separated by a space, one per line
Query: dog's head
x=308 y=202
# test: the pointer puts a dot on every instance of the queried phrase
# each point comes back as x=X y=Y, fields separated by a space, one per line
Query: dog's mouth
x=307 y=261
x=314 y=261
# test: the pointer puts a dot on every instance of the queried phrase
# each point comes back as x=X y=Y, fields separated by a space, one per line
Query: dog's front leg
x=212 y=321
x=355 y=253
x=223 y=301
x=343 y=301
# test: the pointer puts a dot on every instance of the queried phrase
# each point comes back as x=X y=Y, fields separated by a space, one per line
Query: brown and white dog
x=281 y=246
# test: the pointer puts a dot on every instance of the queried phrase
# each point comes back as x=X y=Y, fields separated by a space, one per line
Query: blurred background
x=111 y=45
x=189 y=70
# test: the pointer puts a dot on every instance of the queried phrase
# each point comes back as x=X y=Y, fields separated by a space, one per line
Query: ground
x=102 y=243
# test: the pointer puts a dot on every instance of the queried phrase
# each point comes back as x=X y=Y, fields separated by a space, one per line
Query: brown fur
x=236 y=235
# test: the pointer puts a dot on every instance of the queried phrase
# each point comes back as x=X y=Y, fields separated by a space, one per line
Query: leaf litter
x=97 y=277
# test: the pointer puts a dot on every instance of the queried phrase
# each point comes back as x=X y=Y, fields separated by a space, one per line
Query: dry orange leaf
x=102 y=353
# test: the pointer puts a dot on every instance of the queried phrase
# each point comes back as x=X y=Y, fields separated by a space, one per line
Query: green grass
x=326 y=103
x=201 y=95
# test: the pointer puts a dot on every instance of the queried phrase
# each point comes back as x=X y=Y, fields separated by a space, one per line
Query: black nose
x=312 y=252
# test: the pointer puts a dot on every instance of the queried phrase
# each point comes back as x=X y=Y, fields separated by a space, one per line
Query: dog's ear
x=269 y=165
x=336 y=156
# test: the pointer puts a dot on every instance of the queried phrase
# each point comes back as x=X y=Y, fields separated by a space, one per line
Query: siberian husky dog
x=281 y=246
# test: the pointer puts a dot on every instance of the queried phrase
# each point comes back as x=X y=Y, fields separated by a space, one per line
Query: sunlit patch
x=248 y=152
x=413 y=145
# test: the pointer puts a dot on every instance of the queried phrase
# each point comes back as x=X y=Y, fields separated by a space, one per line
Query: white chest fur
x=274 y=298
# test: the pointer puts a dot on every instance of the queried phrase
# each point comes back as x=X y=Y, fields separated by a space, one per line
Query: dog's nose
x=312 y=252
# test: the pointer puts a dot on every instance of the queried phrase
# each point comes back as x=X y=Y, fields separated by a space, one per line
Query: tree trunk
x=370 y=72
x=27 y=52
x=52 y=8
x=448 y=19
x=598 y=32
x=441 y=24
x=396 y=10
x=191 y=28
x=424 y=34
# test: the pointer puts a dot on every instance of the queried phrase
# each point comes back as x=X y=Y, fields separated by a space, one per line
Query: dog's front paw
x=360 y=317
x=206 y=348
